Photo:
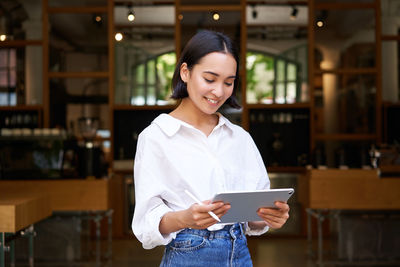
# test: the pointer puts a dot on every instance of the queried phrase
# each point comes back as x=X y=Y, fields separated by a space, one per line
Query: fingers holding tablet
x=275 y=217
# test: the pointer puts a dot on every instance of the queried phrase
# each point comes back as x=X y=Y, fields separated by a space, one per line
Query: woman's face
x=210 y=82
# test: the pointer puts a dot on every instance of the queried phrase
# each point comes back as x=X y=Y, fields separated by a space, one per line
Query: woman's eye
x=207 y=80
x=228 y=84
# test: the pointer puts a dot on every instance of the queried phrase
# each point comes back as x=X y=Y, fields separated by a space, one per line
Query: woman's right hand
x=197 y=216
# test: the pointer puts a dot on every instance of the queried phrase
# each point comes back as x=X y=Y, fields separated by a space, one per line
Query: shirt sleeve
x=263 y=182
x=149 y=206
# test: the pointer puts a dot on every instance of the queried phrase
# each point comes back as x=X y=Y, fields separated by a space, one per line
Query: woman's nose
x=218 y=90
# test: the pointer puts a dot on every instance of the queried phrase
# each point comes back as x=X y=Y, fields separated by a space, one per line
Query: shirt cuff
x=155 y=238
x=250 y=232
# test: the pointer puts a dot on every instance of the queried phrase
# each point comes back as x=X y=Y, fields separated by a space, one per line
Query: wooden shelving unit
x=386 y=106
x=279 y=106
x=21 y=107
x=107 y=9
x=78 y=9
x=347 y=71
x=345 y=137
x=24 y=107
x=91 y=74
x=315 y=72
x=20 y=43
x=240 y=7
x=144 y=107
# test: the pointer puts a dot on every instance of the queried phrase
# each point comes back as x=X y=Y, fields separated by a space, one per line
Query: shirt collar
x=170 y=125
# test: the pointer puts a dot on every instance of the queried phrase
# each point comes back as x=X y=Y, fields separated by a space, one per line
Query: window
x=8 y=77
x=151 y=83
x=271 y=79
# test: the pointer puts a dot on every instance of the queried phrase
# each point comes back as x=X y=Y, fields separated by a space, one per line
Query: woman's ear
x=184 y=72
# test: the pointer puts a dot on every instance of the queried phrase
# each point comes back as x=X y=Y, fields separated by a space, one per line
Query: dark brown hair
x=200 y=45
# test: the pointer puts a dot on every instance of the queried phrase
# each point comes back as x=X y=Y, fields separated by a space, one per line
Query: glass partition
x=145 y=77
x=144 y=55
x=390 y=51
x=345 y=104
x=21 y=76
x=346 y=38
x=277 y=57
x=73 y=98
x=21 y=20
x=78 y=42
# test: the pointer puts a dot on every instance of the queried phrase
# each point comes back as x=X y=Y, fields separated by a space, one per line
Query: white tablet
x=244 y=205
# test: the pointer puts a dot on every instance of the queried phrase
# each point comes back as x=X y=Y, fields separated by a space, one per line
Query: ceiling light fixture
x=254 y=12
x=215 y=16
x=119 y=36
x=131 y=15
x=294 y=13
x=97 y=20
x=321 y=18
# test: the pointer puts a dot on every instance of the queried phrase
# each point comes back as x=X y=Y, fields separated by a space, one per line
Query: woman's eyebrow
x=216 y=74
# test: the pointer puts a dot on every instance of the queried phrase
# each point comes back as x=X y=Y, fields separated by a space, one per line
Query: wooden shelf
x=390 y=37
x=279 y=106
x=277 y=3
x=348 y=71
x=145 y=107
x=130 y=25
x=78 y=9
x=348 y=5
x=387 y=104
x=21 y=43
x=21 y=107
x=286 y=169
x=345 y=137
x=209 y=8
x=96 y=139
x=78 y=74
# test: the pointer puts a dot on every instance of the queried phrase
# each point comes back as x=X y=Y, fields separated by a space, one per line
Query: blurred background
x=319 y=90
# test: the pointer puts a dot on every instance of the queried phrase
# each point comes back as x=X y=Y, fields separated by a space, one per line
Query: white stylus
x=212 y=214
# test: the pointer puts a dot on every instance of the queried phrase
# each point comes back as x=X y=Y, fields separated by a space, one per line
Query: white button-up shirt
x=173 y=156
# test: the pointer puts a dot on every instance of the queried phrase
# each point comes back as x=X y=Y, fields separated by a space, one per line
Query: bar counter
x=327 y=194
x=352 y=189
x=18 y=211
x=34 y=200
x=66 y=195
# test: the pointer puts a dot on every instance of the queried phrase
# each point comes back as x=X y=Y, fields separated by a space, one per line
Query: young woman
x=195 y=148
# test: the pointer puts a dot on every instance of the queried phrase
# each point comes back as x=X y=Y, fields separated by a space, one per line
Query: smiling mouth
x=212 y=101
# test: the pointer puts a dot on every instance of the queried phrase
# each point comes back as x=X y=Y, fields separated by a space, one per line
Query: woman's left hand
x=275 y=218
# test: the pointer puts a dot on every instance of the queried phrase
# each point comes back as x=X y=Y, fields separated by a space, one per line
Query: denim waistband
x=229 y=231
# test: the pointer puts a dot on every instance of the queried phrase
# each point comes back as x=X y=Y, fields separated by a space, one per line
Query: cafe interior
x=319 y=91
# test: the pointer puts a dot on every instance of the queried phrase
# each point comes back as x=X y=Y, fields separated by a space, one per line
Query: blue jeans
x=192 y=247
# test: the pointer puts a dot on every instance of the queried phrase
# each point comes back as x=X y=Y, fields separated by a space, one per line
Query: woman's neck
x=190 y=114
